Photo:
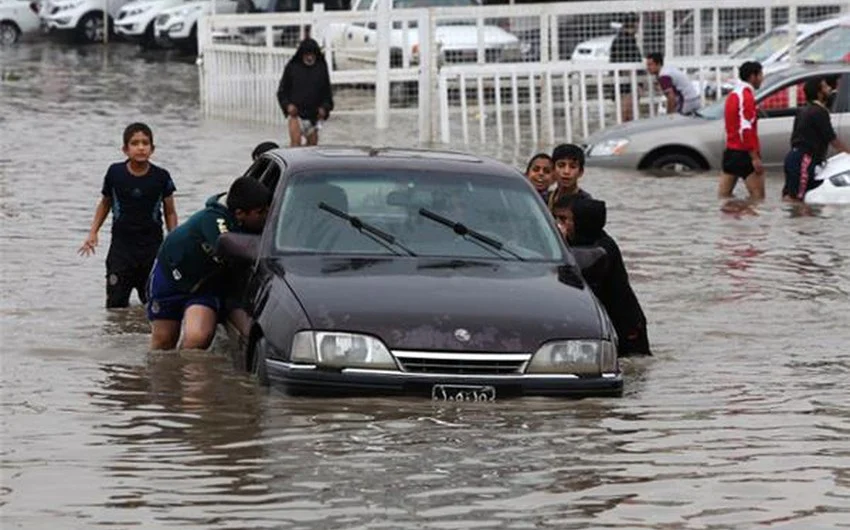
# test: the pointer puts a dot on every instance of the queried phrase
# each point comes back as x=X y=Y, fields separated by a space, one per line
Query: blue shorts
x=165 y=302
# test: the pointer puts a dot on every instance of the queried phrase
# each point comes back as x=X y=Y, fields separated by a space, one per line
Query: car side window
x=271 y=176
x=257 y=168
x=782 y=102
x=842 y=99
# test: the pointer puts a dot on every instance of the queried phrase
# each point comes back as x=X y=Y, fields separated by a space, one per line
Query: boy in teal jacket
x=186 y=285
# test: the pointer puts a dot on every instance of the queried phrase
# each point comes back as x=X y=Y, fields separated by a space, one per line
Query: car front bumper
x=308 y=379
x=63 y=20
x=132 y=27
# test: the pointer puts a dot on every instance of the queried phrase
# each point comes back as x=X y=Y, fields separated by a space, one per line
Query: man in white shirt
x=682 y=95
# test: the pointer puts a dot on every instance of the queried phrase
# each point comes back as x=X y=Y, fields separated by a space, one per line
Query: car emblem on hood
x=462 y=335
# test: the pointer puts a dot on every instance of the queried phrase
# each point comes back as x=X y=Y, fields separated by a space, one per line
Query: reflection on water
x=741 y=420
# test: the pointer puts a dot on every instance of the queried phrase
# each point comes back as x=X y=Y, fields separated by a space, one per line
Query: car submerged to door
x=386 y=271
x=676 y=143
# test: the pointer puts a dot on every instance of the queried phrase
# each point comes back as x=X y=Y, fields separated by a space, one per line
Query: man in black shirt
x=625 y=49
x=811 y=137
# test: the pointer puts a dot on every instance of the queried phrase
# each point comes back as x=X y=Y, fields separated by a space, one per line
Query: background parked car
x=135 y=21
x=690 y=143
x=83 y=18
x=17 y=18
x=178 y=26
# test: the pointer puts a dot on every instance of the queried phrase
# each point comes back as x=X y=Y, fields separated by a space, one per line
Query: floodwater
x=742 y=419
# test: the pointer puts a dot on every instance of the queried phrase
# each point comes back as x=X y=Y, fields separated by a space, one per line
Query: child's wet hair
x=564 y=203
x=535 y=158
x=261 y=148
x=569 y=152
x=137 y=127
x=247 y=193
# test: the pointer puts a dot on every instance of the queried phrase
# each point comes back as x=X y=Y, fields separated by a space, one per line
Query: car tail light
x=34 y=7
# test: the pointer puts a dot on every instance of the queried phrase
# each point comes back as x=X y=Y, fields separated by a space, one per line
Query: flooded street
x=742 y=419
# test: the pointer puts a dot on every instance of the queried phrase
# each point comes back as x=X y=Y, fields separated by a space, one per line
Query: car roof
x=389 y=158
x=809 y=69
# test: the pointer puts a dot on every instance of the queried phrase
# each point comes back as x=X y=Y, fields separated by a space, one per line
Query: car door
x=777 y=109
x=841 y=109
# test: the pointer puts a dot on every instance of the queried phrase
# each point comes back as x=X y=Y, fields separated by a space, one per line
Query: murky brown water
x=742 y=420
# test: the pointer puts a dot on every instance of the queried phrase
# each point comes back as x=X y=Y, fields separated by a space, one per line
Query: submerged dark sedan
x=416 y=272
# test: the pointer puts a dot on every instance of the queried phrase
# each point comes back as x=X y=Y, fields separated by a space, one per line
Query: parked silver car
x=692 y=143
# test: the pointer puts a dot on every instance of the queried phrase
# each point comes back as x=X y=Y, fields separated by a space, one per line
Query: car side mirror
x=239 y=246
x=593 y=262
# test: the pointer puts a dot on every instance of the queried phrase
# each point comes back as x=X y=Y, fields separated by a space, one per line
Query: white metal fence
x=451 y=65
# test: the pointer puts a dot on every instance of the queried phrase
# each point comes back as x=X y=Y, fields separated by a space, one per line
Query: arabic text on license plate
x=463 y=393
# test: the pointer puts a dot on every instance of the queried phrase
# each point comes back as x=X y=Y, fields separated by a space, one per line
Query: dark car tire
x=9 y=33
x=676 y=163
x=258 y=361
x=90 y=28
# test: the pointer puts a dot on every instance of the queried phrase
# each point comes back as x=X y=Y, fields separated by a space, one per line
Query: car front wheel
x=91 y=28
x=9 y=34
x=258 y=361
x=676 y=163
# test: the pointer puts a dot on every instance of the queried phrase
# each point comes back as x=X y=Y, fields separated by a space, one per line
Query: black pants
x=128 y=265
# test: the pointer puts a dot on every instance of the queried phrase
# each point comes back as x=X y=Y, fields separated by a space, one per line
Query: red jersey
x=741 y=119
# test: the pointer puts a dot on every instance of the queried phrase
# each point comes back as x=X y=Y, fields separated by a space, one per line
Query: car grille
x=462 y=363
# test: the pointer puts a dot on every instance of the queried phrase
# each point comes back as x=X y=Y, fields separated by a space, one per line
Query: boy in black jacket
x=304 y=93
x=581 y=221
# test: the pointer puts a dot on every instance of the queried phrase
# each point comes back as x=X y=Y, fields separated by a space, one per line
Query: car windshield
x=833 y=45
x=765 y=46
x=318 y=207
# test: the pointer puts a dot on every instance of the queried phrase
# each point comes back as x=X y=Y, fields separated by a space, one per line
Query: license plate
x=463 y=393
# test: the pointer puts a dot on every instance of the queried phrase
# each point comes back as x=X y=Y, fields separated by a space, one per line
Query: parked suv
x=16 y=18
x=135 y=21
x=83 y=18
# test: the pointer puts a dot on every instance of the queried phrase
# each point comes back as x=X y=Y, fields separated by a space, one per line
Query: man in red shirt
x=742 y=158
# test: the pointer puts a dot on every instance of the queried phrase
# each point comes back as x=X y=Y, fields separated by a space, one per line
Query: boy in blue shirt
x=188 y=280
x=138 y=193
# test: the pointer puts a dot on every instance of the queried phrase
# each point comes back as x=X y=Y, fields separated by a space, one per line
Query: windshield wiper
x=461 y=229
x=375 y=233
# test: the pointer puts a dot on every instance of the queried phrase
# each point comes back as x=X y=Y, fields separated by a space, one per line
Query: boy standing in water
x=568 y=160
x=138 y=193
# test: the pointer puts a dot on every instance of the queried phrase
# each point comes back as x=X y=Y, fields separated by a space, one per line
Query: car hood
x=836 y=165
x=668 y=122
x=415 y=304
x=458 y=37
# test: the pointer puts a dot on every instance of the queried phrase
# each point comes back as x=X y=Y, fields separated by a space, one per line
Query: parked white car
x=82 y=17
x=835 y=188
x=354 y=45
x=17 y=18
x=178 y=26
x=596 y=50
x=135 y=21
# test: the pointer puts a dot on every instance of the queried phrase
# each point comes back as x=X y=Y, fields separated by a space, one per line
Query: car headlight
x=615 y=146
x=579 y=357
x=840 y=180
x=341 y=350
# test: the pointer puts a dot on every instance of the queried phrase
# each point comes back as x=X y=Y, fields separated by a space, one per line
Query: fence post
x=436 y=54
x=697 y=32
x=317 y=28
x=382 y=83
x=669 y=50
x=426 y=80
